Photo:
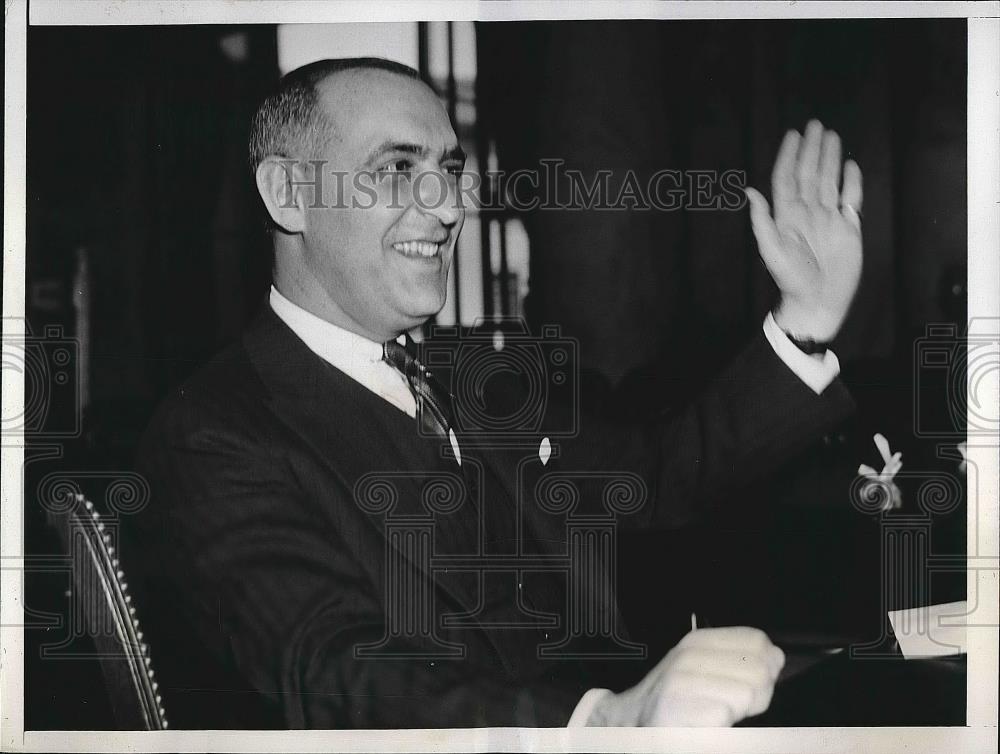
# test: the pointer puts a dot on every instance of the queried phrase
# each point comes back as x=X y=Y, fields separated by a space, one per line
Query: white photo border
x=984 y=301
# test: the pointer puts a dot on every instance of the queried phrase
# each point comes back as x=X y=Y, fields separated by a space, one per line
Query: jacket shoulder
x=224 y=394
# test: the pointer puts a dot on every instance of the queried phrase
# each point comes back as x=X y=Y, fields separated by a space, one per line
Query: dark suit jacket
x=296 y=550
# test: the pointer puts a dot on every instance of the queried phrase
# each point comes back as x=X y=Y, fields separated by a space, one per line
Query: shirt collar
x=342 y=348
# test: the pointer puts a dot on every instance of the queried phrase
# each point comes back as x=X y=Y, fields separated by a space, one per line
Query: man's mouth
x=424 y=249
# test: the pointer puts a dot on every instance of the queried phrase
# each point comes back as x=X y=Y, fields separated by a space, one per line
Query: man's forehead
x=368 y=107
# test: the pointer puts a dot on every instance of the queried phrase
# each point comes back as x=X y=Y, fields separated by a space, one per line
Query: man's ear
x=277 y=182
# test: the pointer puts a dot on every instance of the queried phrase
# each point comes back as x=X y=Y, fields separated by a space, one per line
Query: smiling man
x=281 y=472
x=366 y=254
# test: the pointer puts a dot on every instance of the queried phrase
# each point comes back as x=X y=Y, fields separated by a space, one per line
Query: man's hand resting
x=713 y=677
x=812 y=246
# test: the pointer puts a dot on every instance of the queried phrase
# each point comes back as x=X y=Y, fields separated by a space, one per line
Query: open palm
x=812 y=246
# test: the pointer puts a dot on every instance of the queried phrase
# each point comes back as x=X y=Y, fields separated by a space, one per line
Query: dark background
x=136 y=153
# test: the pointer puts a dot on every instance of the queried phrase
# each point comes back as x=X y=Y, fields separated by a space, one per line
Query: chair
x=109 y=615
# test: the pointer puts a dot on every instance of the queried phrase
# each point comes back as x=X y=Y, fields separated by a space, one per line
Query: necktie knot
x=402 y=357
x=433 y=401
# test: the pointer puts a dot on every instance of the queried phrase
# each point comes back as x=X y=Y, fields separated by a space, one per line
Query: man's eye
x=397 y=166
x=455 y=170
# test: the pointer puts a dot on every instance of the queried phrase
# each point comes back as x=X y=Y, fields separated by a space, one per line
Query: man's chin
x=420 y=313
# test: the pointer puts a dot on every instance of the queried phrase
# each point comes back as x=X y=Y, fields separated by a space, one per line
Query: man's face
x=382 y=245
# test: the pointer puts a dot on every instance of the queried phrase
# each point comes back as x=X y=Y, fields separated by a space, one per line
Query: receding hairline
x=297 y=117
x=365 y=70
x=327 y=86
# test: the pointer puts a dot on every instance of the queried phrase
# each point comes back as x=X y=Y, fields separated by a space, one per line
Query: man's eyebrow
x=397 y=147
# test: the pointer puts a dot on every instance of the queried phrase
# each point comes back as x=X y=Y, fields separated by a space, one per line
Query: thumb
x=764 y=230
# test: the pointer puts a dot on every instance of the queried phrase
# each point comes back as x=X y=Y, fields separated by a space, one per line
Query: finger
x=829 y=171
x=783 y=185
x=739 y=697
x=739 y=665
x=762 y=701
x=764 y=230
x=727 y=638
x=852 y=195
x=807 y=165
x=755 y=682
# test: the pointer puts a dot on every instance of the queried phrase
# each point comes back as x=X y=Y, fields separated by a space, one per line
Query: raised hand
x=812 y=246
x=713 y=677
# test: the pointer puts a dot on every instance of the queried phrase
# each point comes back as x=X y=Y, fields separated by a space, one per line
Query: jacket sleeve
x=748 y=421
x=263 y=575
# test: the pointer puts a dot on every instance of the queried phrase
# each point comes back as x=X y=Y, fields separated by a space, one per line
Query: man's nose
x=435 y=193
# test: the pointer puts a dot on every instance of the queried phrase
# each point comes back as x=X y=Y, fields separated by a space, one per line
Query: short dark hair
x=290 y=123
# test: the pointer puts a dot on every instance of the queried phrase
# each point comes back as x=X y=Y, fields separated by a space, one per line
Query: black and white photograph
x=501 y=376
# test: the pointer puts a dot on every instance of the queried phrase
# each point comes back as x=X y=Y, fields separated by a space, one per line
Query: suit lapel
x=307 y=395
x=360 y=439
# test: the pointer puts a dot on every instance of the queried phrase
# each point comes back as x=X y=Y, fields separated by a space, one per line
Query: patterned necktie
x=433 y=401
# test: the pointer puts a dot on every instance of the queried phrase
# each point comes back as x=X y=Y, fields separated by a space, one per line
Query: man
x=279 y=471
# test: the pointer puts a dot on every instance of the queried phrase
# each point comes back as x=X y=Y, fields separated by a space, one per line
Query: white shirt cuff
x=585 y=707
x=816 y=371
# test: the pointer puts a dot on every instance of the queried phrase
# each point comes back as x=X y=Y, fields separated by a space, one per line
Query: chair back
x=100 y=588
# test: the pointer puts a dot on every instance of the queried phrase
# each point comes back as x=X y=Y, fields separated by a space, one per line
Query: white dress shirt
x=816 y=371
x=354 y=355
x=361 y=360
